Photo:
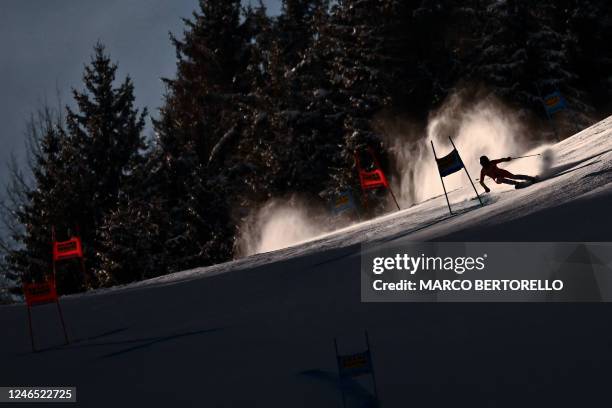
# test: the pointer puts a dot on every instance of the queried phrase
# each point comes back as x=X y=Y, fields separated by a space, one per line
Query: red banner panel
x=67 y=249
x=40 y=293
x=374 y=176
x=372 y=179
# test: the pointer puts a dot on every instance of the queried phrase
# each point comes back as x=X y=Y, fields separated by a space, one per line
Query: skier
x=489 y=168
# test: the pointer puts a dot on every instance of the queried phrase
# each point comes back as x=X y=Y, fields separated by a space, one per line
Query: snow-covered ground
x=259 y=331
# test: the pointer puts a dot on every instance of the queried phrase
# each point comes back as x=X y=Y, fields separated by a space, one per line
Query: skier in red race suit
x=489 y=168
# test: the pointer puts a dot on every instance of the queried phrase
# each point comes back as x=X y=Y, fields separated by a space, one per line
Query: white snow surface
x=259 y=331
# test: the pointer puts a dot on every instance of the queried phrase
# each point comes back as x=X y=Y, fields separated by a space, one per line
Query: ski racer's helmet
x=484 y=160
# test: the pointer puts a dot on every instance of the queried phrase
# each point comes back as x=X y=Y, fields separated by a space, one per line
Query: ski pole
x=522 y=157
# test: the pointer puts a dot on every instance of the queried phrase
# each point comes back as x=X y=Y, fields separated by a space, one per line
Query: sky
x=44 y=46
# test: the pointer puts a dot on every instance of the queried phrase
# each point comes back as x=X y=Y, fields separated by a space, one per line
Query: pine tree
x=5 y=297
x=523 y=55
x=32 y=208
x=199 y=123
x=588 y=26
x=285 y=126
x=78 y=173
x=447 y=33
x=130 y=234
x=360 y=68
x=105 y=141
x=296 y=28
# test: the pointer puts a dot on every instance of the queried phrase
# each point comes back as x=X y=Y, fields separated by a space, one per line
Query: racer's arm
x=505 y=159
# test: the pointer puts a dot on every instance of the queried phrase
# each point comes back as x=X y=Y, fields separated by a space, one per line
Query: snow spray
x=279 y=224
x=485 y=127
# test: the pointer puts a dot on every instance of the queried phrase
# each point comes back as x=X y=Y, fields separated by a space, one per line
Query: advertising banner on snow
x=354 y=365
x=344 y=202
x=554 y=102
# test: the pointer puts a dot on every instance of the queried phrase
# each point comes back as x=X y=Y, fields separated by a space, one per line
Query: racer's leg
x=507 y=174
x=502 y=180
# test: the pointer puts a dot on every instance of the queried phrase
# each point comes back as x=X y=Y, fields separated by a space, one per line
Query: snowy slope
x=259 y=331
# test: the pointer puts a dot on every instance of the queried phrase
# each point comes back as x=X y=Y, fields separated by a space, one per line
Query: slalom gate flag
x=354 y=365
x=343 y=202
x=449 y=164
x=554 y=102
x=373 y=179
x=68 y=249
x=40 y=293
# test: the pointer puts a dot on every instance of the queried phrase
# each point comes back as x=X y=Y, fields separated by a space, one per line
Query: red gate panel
x=67 y=249
x=371 y=179
x=40 y=293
